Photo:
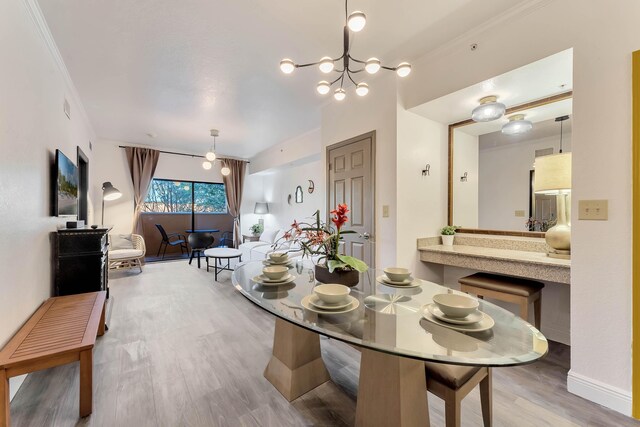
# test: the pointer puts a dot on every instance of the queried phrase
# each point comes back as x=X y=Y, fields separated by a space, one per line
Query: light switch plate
x=385 y=211
x=593 y=210
x=519 y=213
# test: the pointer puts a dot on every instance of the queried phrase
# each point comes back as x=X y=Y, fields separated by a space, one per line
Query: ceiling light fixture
x=354 y=22
x=211 y=154
x=225 y=170
x=488 y=110
x=517 y=125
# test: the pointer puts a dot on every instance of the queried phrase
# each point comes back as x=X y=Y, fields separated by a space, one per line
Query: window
x=185 y=197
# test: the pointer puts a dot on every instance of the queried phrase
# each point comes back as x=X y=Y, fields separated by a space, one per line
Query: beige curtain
x=142 y=165
x=233 y=185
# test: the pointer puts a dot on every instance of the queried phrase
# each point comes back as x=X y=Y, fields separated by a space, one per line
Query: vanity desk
x=513 y=256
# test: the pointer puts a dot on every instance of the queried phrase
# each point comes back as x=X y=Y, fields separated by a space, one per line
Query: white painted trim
x=14 y=385
x=603 y=394
x=33 y=8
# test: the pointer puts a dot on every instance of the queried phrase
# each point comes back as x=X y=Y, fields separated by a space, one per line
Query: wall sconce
x=426 y=170
x=463 y=178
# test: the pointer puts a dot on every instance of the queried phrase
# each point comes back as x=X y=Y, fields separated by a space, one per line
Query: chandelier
x=354 y=22
x=211 y=156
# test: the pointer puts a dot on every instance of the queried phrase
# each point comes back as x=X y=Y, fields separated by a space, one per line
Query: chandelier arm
x=389 y=68
x=331 y=84
x=350 y=78
x=306 y=65
x=357 y=60
x=342 y=81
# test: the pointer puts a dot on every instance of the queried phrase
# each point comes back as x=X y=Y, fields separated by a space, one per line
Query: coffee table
x=221 y=253
x=389 y=329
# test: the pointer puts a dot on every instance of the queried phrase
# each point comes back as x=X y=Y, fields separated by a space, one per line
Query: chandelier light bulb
x=339 y=94
x=356 y=21
x=372 y=65
x=517 y=125
x=287 y=66
x=225 y=170
x=362 y=89
x=206 y=165
x=403 y=69
x=211 y=156
x=323 y=87
x=488 y=110
x=326 y=65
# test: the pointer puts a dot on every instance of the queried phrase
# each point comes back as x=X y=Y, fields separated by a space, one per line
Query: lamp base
x=559 y=254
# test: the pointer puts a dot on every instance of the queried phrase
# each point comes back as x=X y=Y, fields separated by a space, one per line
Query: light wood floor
x=183 y=351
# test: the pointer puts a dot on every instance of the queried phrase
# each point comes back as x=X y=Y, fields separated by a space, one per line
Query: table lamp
x=261 y=208
x=109 y=192
x=553 y=177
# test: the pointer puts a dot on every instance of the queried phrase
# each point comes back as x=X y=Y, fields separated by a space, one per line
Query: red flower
x=340 y=215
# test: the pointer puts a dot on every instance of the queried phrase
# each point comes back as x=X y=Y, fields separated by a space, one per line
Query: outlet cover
x=593 y=210
x=519 y=213
x=385 y=211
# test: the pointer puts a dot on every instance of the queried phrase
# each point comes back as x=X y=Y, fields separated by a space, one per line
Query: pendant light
x=346 y=66
x=225 y=171
x=211 y=154
x=561 y=119
x=517 y=125
x=488 y=110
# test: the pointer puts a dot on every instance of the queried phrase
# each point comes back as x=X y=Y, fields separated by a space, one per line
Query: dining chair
x=452 y=383
x=198 y=243
x=226 y=240
x=166 y=241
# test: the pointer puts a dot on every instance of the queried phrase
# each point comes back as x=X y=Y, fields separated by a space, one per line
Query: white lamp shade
x=287 y=66
x=362 y=89
x=553 y=174
x=323 y=87
x=488 y=110
x=356 y=21
x=340 y=94
x=206 y=165
x=517 y=125
x=261 y=208
x=211 y=156
x=326 y=65
x=225 y=170
x=372 y=65
x=403 y=69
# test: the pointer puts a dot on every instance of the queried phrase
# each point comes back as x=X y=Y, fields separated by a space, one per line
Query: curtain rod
x=184 y=154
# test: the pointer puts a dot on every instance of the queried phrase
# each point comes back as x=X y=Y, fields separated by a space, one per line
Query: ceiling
x=546 y=77
x=176 y=69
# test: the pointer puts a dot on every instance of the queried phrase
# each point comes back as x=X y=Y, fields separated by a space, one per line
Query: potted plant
x=321 y=241
x=448 y=232
x=256 y=229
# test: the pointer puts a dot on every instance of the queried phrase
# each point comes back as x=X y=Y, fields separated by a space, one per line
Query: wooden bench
x=63 y=330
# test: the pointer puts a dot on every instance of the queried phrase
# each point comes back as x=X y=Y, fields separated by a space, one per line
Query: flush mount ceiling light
x=354 y=22
x=488 y=110
x=517 y=124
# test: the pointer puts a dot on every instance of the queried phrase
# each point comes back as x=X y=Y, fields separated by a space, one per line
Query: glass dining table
x=392 y=332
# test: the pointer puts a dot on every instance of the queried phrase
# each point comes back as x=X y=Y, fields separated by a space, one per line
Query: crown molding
x=522 y=9
x=34 y=11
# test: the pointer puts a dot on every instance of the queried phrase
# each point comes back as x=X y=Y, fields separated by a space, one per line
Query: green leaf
x=354 y=263
x=347 y=232
x=332 y=264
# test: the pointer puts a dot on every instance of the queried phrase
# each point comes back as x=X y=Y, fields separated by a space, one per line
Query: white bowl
x=275 y=272
x=332 y=293
x=278 y=256
x=396 y=274
x=454 y=305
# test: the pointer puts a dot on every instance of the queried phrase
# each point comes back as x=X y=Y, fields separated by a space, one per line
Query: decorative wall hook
x=463 y=178
x=426 y=170
x=312 y=186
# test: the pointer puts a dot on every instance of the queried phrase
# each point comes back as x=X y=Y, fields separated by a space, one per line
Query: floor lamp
x=109 y=192
x=553 y=177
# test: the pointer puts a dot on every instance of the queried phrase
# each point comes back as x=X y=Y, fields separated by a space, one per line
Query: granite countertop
x=523 y=257
x=500 y=254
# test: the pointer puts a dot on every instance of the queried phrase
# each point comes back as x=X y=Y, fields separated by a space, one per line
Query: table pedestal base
x=392 y=391
x=296 y=365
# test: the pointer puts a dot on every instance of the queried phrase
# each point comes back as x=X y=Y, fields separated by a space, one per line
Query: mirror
x=299 y=194
x=492 y=172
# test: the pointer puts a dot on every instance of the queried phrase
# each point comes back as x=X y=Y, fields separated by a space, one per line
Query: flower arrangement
x=256 y=229
x=449 y=230
x=323 y=240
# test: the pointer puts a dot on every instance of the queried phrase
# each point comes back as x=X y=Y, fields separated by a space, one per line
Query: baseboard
x=14 y=385
x=557 y=334
x=600 y=393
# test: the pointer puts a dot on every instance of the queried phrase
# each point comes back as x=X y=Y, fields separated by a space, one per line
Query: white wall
x=421 y=200
x=601 y=250
x=32 y=126
x=504 y=181
x=355 y=116
x=465 y=193
x=112 y=166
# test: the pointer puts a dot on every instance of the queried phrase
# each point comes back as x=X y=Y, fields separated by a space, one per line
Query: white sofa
x=258 y=251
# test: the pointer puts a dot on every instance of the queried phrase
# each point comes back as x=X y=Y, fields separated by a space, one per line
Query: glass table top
x=390 y=319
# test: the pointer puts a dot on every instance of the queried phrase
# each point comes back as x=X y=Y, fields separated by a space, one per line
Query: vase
x=447 y=240
x=342 y=277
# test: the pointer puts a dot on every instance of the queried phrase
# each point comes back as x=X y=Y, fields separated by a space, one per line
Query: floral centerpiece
x=321 y=242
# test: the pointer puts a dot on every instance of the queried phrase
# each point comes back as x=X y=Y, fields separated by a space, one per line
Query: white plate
x=406 y=284
x=317 y=302
x=485 y=324
x=263 y=280
x=352 y=306
x=269 y=262
x=474 y=317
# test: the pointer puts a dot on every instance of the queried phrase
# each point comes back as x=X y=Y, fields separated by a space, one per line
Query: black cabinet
x=81 y=260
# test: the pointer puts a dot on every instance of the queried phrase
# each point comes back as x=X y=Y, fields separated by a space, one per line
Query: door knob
x=365 y=236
